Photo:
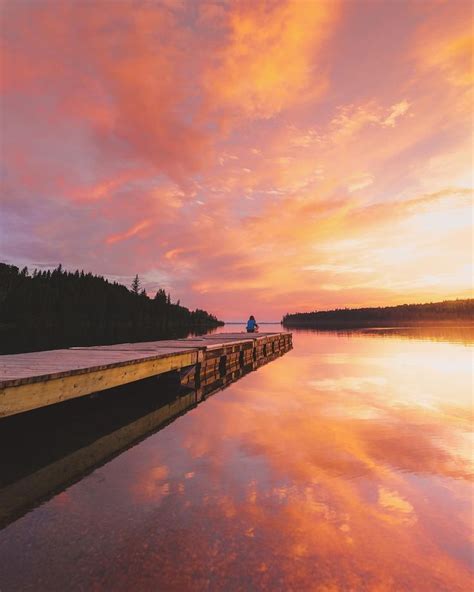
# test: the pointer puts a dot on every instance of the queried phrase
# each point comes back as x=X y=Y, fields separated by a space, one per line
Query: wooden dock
x=33 y=380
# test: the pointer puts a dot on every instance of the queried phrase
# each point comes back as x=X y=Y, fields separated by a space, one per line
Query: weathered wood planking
x=37 y=379
x=25 y=393
x=38 y=366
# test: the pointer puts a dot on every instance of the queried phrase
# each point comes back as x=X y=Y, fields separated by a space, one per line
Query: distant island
x=448 y=311
x=59 y=308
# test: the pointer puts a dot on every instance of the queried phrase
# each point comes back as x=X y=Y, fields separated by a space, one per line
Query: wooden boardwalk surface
x=37 y=379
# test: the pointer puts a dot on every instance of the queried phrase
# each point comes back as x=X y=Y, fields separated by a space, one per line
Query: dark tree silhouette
x=449 y=310
x=136 y=285
x=63 y=298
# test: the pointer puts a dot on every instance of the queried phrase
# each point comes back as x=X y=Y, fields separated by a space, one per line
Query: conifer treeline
x=63 y=298
x=448 y=310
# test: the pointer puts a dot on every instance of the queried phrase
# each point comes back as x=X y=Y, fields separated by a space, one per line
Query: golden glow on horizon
x=287 y=155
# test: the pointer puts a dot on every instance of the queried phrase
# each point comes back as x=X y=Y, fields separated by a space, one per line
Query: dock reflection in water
x=344 y=465
x=46 y=450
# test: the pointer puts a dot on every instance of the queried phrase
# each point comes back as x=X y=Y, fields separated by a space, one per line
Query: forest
x=453 y=311
x=59 y=298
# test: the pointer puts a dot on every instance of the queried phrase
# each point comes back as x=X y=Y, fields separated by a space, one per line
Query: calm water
x=345 y=465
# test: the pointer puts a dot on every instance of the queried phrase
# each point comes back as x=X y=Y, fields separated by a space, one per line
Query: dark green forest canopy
x=448 y=310
x=59 y=297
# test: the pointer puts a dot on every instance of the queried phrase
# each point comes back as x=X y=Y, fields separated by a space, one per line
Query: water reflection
x=15 y=341
x=464 y=335
x=344 y=465
x=48 y=449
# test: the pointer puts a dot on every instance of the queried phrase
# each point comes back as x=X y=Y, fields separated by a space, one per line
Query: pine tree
x=136 y=285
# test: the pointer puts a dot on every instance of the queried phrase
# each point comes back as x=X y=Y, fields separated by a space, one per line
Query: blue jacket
x=251 y=324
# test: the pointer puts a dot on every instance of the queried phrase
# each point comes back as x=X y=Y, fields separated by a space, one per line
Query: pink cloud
x=232 y=151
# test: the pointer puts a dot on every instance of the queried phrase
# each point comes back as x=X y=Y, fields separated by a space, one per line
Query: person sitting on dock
x=252 y=326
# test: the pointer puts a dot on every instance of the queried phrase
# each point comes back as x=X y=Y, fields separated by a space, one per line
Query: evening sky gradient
x=248 y=156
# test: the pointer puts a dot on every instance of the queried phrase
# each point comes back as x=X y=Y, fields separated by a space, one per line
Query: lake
x=345 y=464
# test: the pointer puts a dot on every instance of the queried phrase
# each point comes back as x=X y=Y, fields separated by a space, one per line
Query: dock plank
x=59 y=363
x=143 y=346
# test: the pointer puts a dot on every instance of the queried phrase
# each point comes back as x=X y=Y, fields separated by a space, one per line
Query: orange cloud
x=134 y=230
x=173 y=253
x=445 y=45
x=268 y=61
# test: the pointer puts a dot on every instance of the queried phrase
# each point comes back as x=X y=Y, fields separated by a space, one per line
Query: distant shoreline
x=448 y=324
x=454 y=323
x=438 y=314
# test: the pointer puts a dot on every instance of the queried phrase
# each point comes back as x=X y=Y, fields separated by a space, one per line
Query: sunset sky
x=248 y=156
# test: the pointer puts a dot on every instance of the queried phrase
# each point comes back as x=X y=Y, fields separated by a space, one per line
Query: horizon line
x=260 y=322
